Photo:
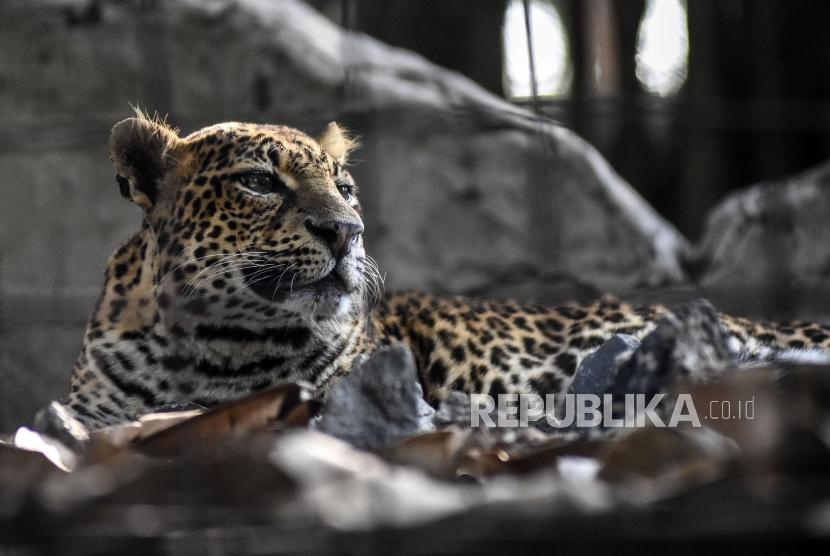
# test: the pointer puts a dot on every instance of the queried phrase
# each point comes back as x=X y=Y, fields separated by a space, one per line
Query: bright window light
x=551 y=55
x=663 y=47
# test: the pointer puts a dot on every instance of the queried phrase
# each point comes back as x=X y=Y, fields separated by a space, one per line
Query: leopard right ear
x=336 y=141
x=142 y=150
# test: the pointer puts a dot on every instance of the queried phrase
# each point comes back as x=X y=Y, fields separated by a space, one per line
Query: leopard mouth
x=276 y=286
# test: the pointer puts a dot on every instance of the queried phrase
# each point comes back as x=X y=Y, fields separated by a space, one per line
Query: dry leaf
x=253 y=412
x=435 y=452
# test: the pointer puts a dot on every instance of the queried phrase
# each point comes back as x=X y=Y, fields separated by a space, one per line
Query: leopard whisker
x=226 y=268
x=279 y=280
x=263 y=274
x=224 y=257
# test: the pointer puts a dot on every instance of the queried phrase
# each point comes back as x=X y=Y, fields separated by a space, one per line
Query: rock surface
x=379 y=403
x=597 y=373
x=453 y=410
x=769 y=244
x=688 y=344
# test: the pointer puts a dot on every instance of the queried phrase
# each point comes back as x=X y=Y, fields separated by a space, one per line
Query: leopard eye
x=346 y=190
x=261 y=183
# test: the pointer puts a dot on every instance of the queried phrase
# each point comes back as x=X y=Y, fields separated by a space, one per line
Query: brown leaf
x=451 y=453
x=435 y=452
x=131 y=432
x=528 y=459
x=257 y=411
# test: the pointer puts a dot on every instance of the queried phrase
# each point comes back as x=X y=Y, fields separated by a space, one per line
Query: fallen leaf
x=241 y=416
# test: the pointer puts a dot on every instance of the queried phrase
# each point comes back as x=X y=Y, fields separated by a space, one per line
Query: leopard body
x=249 y=269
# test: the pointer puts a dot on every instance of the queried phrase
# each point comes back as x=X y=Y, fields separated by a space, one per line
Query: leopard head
x=249 y=221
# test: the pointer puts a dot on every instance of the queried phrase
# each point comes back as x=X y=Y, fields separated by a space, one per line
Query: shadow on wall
x=462 y=191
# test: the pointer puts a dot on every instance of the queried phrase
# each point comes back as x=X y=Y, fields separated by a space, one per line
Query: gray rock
x=453 y=410
x=426 y=413
x=772 y=237
x=598 y=371
x=689 y=343
x=379 y=403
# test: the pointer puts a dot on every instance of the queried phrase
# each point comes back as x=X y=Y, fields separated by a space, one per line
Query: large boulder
x=459 y=185
x=768 y=246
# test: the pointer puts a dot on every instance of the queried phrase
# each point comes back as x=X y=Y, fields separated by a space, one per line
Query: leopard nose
x=338 y=235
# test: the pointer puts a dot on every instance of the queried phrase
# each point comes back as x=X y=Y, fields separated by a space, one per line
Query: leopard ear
x=337 y=142
x=142 y=149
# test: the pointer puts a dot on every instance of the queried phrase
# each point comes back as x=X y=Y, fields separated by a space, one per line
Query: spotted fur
x=249 y=269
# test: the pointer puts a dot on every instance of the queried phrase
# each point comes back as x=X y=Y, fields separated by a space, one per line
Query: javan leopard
x=250 y=269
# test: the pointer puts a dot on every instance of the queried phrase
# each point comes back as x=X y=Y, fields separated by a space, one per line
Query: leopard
x=249 y=270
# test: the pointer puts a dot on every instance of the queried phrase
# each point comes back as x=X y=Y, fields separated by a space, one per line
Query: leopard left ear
x=141 y=149
x=337 y=142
